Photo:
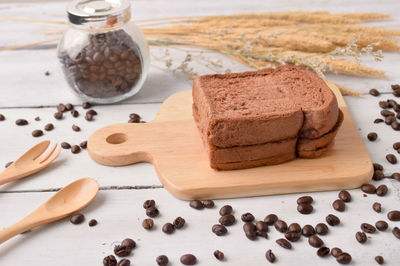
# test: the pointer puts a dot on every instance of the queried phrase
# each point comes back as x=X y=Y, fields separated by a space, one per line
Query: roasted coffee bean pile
x=122 y=250
x=109 y=65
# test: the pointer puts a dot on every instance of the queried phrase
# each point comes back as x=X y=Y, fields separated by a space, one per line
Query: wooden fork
x=30 y=162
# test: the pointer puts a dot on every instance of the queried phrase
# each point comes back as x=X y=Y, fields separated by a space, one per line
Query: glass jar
x=103 y=54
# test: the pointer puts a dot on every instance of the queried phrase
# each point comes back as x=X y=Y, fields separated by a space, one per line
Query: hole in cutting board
x=117 y=138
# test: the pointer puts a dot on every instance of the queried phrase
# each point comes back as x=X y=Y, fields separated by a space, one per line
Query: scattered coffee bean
x=86 y=105
x=219 y=255
x=69 y=106
x=61 y=108
x=374 y=92
x=384 y=104
x=89 y=117
x=208 y=204
x=378 y=175
x=339 y=205
x=124 y=262
x=65 y=145
x=396 y=232
x=344 y=258
x=284 y=243
x=391 y=158
x=368 y=188
x=336 y=252
x=2 y=117
x=37 y=118
x=270 y=256
x=307 y=230
x=321 y=229
x=110 y=261
x=294 y=227
x=21 y=122
x=396 y=146
x=58 y=115
x=395 y=125
x=75 y=149
x=76 y=128
x=394 y=216
x=305 y=208
x=395 y=86
x=247 y=217
x=149 y=203
x=387 y=113
x=122 y=251
x=270 y=219
x=292 y=236
x=249 y=227
x=379 y=259
x=372 y=136
x=396 y=176
x=162 y=260
x=323 y=251
x=83 y=144
x=128 y=242
x=219 y=229
x=332 y=220
x=381 y=225
x=345 y=196
x=378 y=166
x=179 y=222
x=251 y=235
x=152 y=212
x=188 y=259
x=281 y=226
x=196 y=204
x=37 y=133
x=92 y=222
x=389 y=120
x=361 y=237
x=381 y=190
x=227 y=209
x=49 y=127
x=368 y=228
x=305 y=199
x=396 y=93
x=148 y=224
x=91 y=112
x=377 y=207
x=8 y=164
x=227 y=220
x=261 y=226
x=134 y=118
x=315 y=241
x=378 y=120
x=74 y=113
x=168 y=228
x=77 y=218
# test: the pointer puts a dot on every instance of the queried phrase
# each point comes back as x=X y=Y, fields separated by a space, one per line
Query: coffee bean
x=208 y=204
x=321 y=229
x=345 y=196
x=396 y=232
x=168 y=228
x=227 y=209
x=74 y=113
x=378 y=166
x=249 y=227
x=89 y=117
x=292 y=236
x=76 y=128
x=368 y=228
x=227 y=220
x=196 y=204
x=261 y=226
x=395 y=125
x=134 y=118
x=152 y=212
x=58 y=115
x=219 y=229
x=391 y=158
x=387 y=113
x=270 y=256
x=124 y=262
x=323 y=251
x=332 y=220
x=65 y=145
x=270 y=219
x=110 y=261
x=188 y=259
x=389 y=120
x=396 y=176
x=86 y=105
x=122 y=251
x=368 y=188
x=339 y=205
x=8 y=164
x=92 y=222
x=372 y=136
x=251 y=235
x=381 y=190
x=21 y=122
x=280 y=226
x=148 y=224
x=344 y=258
x=149 y=203
x=128 y=242
x=77 y=218
x=374 y=92
x=378 y=120
x=305 y=208
x=379 y=259
x=294 y=227
x=49 y=127
x=91 y=112
x=384 y=104
x=61 y=108
x=336 y=252
x=179 y=222
x=284 y=243
x=262 y=234
x=162 y=260
x=378 y=175
x=305 y=199
x=396 y=93
x=2 y=117
x=83 y=144
x=361 y=237
x=396 y=146
x=37 y=133
x=377 y=207
x=75 y=149
x=219 y=255
x=247 y=217
x=315 y=241
x=307 y=230
x=394 y=216
x=37 y=118
x=69 y=106
x=381 y=225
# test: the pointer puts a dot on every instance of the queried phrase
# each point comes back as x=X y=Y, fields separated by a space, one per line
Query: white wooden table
x=118 y=206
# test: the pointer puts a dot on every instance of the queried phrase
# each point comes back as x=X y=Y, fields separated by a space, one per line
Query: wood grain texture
x=172 y=143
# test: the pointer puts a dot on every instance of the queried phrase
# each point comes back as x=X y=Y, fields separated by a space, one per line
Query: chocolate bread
x=264 y=117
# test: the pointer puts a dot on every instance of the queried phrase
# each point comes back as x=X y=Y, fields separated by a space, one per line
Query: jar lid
x=99 y=12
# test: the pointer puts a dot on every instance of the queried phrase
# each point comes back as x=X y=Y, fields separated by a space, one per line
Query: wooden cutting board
x=172 y=143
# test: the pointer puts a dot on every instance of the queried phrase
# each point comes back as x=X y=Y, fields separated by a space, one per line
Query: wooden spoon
x=71 y=198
